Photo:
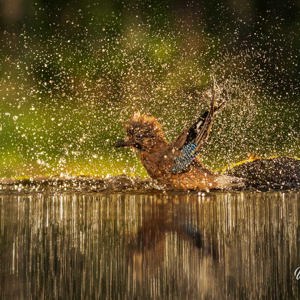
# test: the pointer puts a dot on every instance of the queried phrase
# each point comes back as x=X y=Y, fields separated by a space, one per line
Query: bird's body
x=159 y=164
x=175 y=164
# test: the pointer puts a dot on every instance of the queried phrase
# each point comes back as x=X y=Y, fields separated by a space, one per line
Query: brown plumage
x=145 y=135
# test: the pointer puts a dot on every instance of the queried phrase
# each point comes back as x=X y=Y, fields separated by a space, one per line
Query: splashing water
x=64 y=100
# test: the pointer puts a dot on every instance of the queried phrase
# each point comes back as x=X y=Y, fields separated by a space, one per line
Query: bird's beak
x=122 y=143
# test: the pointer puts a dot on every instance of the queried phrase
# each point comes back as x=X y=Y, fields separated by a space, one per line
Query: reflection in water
x=163 y=246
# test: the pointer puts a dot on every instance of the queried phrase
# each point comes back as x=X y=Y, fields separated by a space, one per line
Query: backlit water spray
x=64 y=101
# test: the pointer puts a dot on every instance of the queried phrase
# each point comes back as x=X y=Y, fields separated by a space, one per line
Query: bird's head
x=143 y=132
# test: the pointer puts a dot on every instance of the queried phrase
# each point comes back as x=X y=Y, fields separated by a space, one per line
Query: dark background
x=270 y=27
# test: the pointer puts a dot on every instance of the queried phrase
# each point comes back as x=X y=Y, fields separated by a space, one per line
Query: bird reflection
x=165 y=232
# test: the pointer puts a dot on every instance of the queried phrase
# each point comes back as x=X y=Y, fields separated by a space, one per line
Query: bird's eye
x=139 y=135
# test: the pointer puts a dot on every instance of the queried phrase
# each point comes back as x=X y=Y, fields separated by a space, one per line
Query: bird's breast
x=157 y=164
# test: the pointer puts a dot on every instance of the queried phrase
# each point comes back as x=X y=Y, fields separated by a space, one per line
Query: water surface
x=239 y=245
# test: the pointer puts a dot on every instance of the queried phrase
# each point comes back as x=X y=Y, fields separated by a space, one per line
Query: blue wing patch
x=187 y=155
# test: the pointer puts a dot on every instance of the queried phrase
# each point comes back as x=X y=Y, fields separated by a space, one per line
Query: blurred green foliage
x=72 y=72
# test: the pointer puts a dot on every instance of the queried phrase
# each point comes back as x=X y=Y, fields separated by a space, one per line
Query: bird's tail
x=228 y=182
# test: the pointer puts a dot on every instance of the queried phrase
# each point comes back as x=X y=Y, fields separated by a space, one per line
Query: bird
x=176 y=165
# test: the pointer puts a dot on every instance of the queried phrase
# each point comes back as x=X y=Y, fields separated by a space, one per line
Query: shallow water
x=239 y=245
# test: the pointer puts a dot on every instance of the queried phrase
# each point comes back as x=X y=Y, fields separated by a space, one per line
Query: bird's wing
x=192 y=139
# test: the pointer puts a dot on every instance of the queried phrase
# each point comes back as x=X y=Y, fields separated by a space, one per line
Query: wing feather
x=191 y=140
